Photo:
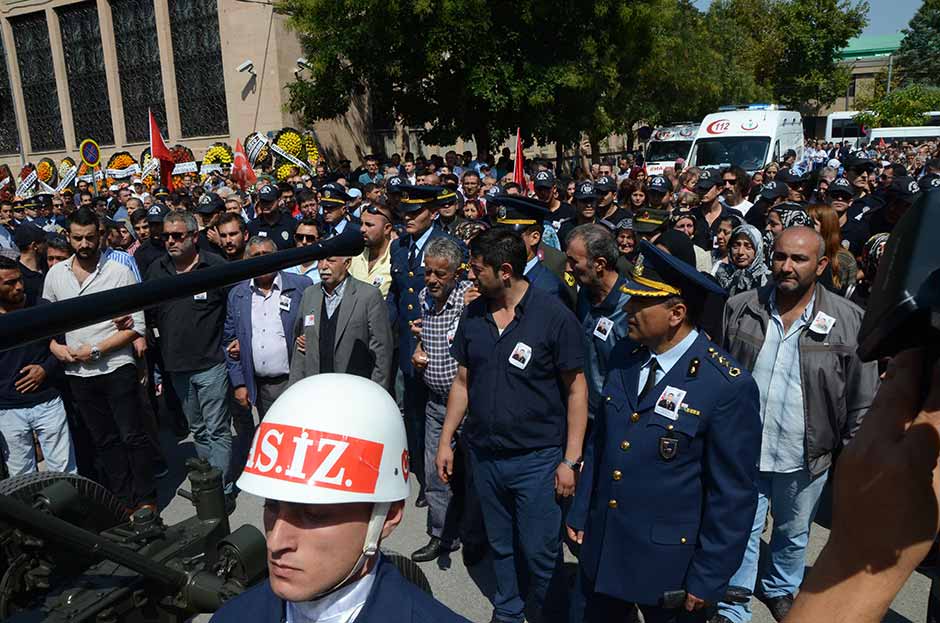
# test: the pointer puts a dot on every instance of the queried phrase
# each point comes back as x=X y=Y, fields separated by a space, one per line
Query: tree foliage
x=477 y=69
x=918 y=55
x=807 y=75
x=901 y=107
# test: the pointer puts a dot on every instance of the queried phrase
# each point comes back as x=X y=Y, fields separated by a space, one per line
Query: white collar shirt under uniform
x=268 y=343
x=342 y=606
x=61 y=284
x=666 y=360
x=777 y=373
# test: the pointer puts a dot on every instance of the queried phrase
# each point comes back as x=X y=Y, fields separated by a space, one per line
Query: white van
x=667 y=144
x=750 y=137
x=910 y=134
x=841 y=126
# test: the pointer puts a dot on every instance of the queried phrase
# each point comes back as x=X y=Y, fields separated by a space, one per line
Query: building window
x=34 y=57
x=84 y=64
x=9 y=142
x=135 y=39
x=197 y=57
x=851 y=90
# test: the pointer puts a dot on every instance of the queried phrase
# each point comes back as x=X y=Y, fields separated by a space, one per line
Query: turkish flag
x=241 y=169
x=518 y=176
x=159 y=151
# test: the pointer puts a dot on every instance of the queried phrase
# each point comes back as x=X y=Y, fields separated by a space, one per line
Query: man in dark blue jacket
x=334 y=486
x=261 y=314
x=668 y=489
x=417 y=208
x=526 y=216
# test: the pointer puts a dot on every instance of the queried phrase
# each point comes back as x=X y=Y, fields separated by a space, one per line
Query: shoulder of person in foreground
x=392 y=594
x=258 y=603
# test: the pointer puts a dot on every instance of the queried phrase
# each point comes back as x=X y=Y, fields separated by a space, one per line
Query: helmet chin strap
x=369 y=548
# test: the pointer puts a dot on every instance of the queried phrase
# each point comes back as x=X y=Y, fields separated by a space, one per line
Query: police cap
x=659 y=184
x=210 y=203
x=841 y=187
x=649 y=220
x=333 y=194
x=519 y=212
x=586 y=192
x=416 y=197
x=544 y=179
x=157 y=212
x=658 y=274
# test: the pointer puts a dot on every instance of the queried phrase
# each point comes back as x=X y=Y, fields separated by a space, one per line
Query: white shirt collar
x=338 y=607
x=275 y=286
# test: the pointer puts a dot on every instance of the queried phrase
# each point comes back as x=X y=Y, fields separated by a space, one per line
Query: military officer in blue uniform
x=417 y=207
x=526 y=216
x=668 y=488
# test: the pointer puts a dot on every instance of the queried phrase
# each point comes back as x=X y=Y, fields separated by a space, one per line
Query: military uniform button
x=411 y=322
x=411 y=290
x=411 y=274
x=625 y=445
x=609 y=398
x=635 y=417
x=670 y=427
x=612 y=504
x=410 y=306
x=682 y=540
x=617 y=475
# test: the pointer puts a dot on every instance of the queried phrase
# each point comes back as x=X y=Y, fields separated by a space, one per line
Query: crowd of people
x=641 y=368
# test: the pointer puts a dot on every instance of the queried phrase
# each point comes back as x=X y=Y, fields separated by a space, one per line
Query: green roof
x=865 y=46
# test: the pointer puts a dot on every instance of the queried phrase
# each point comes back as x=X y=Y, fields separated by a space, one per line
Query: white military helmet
x=330 y=439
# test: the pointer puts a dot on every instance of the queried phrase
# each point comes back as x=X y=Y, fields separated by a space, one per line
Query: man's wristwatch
x=575 y=465
x=95 y=353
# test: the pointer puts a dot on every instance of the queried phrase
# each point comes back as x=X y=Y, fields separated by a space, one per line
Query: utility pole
x=890 y=68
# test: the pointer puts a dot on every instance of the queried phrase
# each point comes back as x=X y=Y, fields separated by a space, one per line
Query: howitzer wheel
x=98 y=510
x=408 y=568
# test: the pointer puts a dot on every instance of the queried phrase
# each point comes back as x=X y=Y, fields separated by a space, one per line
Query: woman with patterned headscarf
x=746 y=269
x=872 y=253
x=783 y=216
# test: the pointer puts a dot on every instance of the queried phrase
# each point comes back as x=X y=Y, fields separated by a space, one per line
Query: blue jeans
x=793 y=499
x=204 y=396
x=517 y=496
x=48 y=421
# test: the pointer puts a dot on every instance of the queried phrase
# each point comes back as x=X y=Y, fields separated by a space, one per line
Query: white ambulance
x=750 y=137
x=667 y=144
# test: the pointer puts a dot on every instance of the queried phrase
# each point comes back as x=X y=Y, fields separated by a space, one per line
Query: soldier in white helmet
x=331 y=461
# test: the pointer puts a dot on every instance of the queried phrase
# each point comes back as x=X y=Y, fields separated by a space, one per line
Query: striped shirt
x=437 y=334
x=123 y=258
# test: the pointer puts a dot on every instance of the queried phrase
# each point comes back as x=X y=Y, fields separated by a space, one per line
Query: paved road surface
x=464 y=590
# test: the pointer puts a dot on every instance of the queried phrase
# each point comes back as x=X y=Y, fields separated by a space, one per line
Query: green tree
x=466 y=68
x=917 y=57
x=806 y=74
x=744 y=33
x=901 y=107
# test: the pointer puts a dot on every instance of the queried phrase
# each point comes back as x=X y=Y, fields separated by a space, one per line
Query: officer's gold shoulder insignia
x=569 y=279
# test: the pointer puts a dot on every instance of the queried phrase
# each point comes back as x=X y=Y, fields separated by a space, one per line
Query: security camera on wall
x=247 y=66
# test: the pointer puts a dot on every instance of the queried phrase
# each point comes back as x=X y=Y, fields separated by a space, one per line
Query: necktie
x=412 y=253
x=651 y=379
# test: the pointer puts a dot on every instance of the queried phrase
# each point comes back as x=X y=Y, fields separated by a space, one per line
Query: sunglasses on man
x=175 y=235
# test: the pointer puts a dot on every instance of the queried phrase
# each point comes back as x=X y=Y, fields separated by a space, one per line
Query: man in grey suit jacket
x=343 y=326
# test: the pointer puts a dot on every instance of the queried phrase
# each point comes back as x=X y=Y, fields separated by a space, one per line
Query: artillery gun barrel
x=45 y=321
x=85 y=543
